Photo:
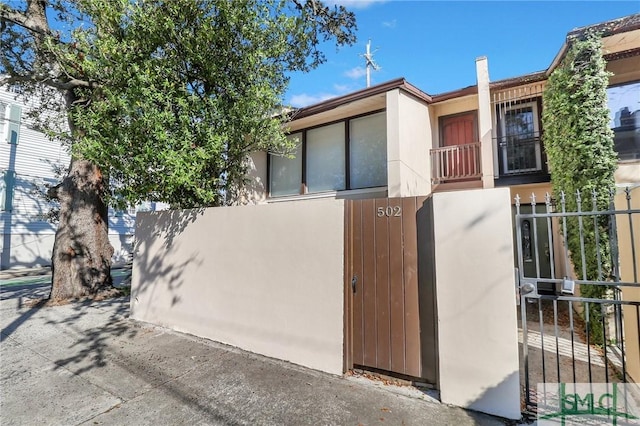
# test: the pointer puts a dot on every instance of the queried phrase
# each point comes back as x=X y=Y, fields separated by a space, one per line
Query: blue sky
x=434 y=44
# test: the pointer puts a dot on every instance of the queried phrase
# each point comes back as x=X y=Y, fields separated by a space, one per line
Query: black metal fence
x=568 y=335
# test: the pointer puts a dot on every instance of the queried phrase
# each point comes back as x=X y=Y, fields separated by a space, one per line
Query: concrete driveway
x=87 y=363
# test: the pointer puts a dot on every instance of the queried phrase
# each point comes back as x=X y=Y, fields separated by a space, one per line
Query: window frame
x=302 y=166
x=304 y=190
x=613 y=86
x=533 y=103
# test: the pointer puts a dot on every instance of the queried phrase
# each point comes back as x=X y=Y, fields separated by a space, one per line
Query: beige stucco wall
x=628 y=174
x=624 y=70
x=454 y=106
x=264 y=278
x=408 y=143
x=477 y=325
x=484 y=122
x=256 y=188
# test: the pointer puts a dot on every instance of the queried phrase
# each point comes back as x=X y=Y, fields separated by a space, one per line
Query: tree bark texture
x=81 y=262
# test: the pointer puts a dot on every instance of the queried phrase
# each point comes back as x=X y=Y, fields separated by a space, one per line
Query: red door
x=458 y=131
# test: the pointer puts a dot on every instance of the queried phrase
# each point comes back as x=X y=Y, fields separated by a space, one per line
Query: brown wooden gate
x=382 y=287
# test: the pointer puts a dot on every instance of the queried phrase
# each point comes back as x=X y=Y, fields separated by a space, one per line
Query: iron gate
x=567 y=334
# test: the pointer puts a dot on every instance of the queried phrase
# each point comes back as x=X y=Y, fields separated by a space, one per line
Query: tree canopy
x=169 y=96
x=164 y=101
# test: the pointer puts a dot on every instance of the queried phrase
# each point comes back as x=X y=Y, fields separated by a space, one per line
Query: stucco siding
x=264 y=278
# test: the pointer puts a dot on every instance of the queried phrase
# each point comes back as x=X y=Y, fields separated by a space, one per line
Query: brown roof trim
x=608 y=28
x=465 y=91
x=399 y=83
x=623 y=54
x=605 y=29
x=518 y=81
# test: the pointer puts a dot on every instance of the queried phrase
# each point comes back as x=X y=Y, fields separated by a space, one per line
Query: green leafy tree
x=580 y=149
x=164 y=100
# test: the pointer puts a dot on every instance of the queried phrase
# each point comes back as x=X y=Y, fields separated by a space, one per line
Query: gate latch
x=354 y=280
x=568 y=286
x=527 y=287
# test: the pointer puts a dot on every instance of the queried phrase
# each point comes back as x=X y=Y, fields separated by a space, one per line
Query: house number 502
x=390 y=211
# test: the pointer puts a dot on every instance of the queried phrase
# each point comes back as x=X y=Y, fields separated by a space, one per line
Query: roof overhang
x=360 y=102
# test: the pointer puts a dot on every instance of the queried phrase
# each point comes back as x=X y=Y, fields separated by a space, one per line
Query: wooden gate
x=382 y=288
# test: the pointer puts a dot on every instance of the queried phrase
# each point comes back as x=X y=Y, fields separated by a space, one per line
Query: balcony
x=456 y=163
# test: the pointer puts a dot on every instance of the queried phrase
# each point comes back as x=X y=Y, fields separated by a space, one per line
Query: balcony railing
x=455 y=163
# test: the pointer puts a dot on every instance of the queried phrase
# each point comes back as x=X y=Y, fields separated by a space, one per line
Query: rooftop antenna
x=368 y=57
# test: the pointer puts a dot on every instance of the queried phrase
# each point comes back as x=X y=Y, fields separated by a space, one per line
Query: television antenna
x=370 y=63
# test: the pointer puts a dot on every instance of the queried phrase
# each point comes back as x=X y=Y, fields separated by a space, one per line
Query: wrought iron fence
x=567 y=334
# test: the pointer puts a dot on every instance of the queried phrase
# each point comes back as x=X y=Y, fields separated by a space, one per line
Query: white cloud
x=305 y=99
x=390 y=24
x=342 y=88
x=356 y=72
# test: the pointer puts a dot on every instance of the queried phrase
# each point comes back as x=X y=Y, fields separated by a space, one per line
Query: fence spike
x=533 y=200
x=594 y=199
x=627 y=191
x=612 y=195
x=547 y=201
x=579 y=200
x=517 y=199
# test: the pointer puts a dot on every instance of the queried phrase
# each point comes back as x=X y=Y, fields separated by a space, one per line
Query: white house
x=28 y=161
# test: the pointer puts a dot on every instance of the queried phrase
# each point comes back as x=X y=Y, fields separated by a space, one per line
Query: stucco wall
x=256 y=188
x=265 y=278
x=408 y=142
x=477 y=325
x=484 y=122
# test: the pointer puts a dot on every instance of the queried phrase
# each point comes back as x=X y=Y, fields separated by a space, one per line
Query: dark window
x=519 y=139
x=349 y=154
x=624 y=113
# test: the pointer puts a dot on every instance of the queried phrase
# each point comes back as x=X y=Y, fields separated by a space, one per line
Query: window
x=520 y=138
x=624 y=113
x=326 y=158
x=286 y=173
x=368 y=151
x=350 y=154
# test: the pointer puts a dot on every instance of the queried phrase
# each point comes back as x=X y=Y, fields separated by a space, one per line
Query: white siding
x=26 y=237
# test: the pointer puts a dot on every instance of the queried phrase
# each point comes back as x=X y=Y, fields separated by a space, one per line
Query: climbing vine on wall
x=580 y=150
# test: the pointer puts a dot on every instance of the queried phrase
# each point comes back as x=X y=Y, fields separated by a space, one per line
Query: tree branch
x=33 y=20
x=72 y=83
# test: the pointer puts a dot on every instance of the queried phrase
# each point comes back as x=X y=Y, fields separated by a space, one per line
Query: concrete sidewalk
x=87 y=363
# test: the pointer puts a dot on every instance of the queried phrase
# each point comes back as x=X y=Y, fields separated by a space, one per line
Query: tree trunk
x=81 y=263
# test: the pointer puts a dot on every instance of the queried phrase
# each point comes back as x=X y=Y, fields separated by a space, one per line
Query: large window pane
x=368 y=151
x=286 y=173
x=624 y=112
x=325 y=158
